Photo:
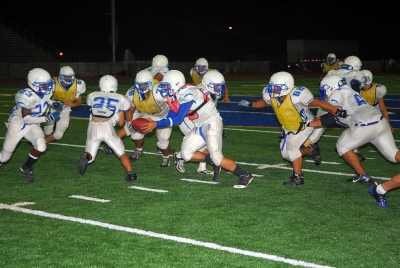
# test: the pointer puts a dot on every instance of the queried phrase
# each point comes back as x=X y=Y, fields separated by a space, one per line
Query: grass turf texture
x=325 y=222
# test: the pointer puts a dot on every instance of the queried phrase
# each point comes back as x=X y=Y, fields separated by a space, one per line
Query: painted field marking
x=163 y=236
x=148 y=189
x=199 y=181
x=89 y=198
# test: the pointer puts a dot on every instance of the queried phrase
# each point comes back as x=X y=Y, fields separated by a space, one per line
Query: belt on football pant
x=368 y=124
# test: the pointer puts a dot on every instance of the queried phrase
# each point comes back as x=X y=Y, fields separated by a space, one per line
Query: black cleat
x=244 y=180
x=131 y=176
x=28 y=173
x=295 y=180
x=380 y=198
x=107 y=150
x=217 y=171
x=135 y=155
x=315 y=153
x=83 y=162
x=360 y=179
x=164 y=162
x=224 y=136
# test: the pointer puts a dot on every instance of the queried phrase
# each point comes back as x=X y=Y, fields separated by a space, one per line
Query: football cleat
x=158 y=150
x=135 y=155
x=164 y=162
x=295 y=180
x=28 y=173
x=205 y=171
x=380 y=198
x=315 y=153
x=179 y=163
x=131 y=176
x=107 y=150
x=360 y=178
x=217 y=171
x=244 y=180
x=83 y=162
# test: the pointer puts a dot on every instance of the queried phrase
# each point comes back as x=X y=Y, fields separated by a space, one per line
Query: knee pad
x=48 y=129
x=41 y=145
x=217 y=158
x=59 y=133
x=5 y=156
x=163 y=144
x=186 y=155
x=137 y=136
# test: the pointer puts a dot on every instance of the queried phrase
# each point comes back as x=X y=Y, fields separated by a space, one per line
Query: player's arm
x=29 y=119
x=226 y=96
x=384 y=111
x=255 y=104
x=326 y=106
x=121 y=120
x=171 y=119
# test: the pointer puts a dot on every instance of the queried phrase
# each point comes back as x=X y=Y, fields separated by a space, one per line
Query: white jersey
x=29 y=99
x=108 y=105
x=350 y=76
x=154 y=70
x=366 y=124
x=206 y=113
x=359 y=112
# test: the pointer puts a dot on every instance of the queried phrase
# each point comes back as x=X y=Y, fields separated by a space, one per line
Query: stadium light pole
x=113 y=29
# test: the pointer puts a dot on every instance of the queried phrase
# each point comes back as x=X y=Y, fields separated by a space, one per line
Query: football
x=138 y=124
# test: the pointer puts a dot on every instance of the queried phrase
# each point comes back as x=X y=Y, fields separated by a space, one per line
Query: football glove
x=57 y=105
x=53 y=116
x=245 y=103
x=130 y=127
x=341 y=113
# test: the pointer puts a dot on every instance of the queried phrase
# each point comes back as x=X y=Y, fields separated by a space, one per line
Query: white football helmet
x=368 y=77
x=67 y=76
x=331 y=59
x=171 y=82
x=214 y=82
x=40 y=81
x=280 y=84
x=108 y=83
x=160 y=60
x=352 y=63
x=201 y=66
x=328 y=84
x=143 y=81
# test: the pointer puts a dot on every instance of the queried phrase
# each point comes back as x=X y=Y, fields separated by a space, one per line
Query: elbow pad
x=327 y=119
x=29 y=119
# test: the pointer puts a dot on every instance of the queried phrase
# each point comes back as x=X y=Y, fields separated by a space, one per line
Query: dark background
x=185 y=32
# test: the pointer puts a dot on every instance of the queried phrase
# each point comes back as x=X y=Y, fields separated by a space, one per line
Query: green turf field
x=168 y=219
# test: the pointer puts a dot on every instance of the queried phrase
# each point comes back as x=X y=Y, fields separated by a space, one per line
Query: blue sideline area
x=235 y=115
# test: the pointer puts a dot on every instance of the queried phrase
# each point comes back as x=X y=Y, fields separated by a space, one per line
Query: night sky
x=200 y=28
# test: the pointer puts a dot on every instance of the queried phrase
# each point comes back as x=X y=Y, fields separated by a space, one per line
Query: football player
x=197 y=73
x=187 y=100
x=24 y=121
x=68 y=91
x=374 y=94
x=290 y=104
x=199 y=70
x=331 y=63
x=147 y=102
x=213 y=85
x=107 y=109
x=365 y=124
x=351 y=72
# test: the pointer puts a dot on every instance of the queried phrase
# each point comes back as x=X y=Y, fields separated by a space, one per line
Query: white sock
x=379 y=189
x=202 y=166
x=139 y=149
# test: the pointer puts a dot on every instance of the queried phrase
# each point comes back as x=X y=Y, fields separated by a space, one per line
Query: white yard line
x=162 y=236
